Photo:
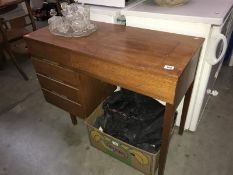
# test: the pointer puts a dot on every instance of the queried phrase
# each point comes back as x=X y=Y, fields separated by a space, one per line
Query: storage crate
x=143 y=161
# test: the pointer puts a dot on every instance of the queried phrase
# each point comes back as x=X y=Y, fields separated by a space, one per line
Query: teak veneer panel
x=160 y=87
x=145 y=50
x=63 y=89
x=134 y=57
x=57 y=72
x=49 y=52
x=63 y=103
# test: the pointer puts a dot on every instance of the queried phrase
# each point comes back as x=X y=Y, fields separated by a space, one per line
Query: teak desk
x=157 y=64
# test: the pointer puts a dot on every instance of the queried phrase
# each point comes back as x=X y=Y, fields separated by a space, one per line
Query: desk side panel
x=187 y=77
x=93 y=91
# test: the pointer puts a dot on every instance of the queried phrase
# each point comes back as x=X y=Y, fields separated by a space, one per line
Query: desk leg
x=185 y=109
x=167 y=125
x=73 y=119
x=1 y=58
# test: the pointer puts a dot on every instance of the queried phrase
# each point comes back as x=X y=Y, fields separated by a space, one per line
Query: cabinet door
x=226 y=30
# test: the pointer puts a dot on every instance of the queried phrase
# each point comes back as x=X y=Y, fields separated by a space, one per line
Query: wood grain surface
x=134 y=57
x=136 y=48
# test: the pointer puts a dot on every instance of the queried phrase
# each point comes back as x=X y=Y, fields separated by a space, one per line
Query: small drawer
x=58 y=87
x=67 y=105
x=56 y=72
x=49 y=52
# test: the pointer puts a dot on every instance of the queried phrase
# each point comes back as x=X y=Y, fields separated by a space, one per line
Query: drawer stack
x=64 y=87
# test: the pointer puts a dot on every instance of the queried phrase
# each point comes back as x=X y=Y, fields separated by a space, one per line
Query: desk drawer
x=56 y=72
x=67 y=105
x=49 y=52
x=60 y=88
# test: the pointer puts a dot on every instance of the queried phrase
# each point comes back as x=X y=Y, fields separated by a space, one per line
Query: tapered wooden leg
x=73 y=119
x=12 y=57
x=185 y=109
x=167 y=126
x=2 y=60
x=27 y=3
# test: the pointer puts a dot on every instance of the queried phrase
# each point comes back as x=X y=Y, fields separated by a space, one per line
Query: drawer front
x=63 y=103
x=49 y=52
x=56 y=72
x=59 y=88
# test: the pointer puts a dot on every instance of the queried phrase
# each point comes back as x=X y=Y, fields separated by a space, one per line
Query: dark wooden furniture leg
x=167 y=125
x=12 y=57
x=185 y=109
x=2 y=59
x=27 y=3
x=73 y=119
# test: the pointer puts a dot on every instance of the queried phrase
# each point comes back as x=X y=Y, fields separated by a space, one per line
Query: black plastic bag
x=133 y=118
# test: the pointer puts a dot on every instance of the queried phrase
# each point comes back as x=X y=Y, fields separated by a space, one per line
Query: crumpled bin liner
x=133 y=118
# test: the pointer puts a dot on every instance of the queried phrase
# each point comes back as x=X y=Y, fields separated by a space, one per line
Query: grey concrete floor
x=37 y=138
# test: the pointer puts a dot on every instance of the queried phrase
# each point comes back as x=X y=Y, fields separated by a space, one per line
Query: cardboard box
x=143 y=161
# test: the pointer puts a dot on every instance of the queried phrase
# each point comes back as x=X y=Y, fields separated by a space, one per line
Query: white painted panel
x=103 y=18
x=199 y=11
x=185 y=28
x=104 y=14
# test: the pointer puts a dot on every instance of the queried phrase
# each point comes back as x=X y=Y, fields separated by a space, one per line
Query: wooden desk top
x=141 y=55
x=141 y=49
